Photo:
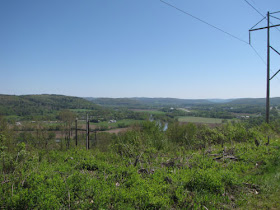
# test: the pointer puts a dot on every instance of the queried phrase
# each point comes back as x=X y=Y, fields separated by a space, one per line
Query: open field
x=200 y=120
x=149 y=111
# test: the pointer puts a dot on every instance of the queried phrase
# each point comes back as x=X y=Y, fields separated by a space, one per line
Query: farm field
x=149 y=111
x=204 y=120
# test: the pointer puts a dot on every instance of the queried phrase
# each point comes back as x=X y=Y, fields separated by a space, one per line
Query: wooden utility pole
x=76 y=131
x=87 y=133
x=268 y=27
x=95 y=143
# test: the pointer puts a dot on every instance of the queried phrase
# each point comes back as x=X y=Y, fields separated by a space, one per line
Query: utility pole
x=268 y=27
x=87 y=133
x=76 y=131
x=268 y=71
x=95 y=143
x=88 y=130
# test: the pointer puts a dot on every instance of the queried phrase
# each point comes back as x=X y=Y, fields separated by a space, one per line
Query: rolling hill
x=41 y=104
x=161 y=102
x=256 y=101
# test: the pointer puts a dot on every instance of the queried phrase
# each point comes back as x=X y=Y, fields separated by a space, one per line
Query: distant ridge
x=142 y=101
x=256 y=101
x=222 y=101
x=41 y=104
x=25 y=105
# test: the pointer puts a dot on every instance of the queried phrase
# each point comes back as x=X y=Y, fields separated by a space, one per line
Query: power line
x=274 y=17
x=259 y=12
x=219 y=29
x=258 y=54
x=203 y=21
x=253 y=1
x=215 y=28
x=254 y=8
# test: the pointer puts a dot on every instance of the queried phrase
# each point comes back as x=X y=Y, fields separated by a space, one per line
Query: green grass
x=144 y=168
x=200 y=120
x=269 y=198
x=154 y=112
x=268 y=179
x=80 y=179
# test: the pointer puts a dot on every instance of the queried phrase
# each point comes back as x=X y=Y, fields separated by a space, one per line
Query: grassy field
x=200 y=120
x=149 y=111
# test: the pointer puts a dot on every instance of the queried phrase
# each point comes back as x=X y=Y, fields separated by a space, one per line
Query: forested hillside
x=256 y=101
x=147 y=102
x=161 y=102
x=117 y=102
x=27 y=105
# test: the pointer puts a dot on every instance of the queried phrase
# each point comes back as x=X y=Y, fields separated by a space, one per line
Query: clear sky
x=135 y=48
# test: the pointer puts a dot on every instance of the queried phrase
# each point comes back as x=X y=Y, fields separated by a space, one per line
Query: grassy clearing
x=200 y=120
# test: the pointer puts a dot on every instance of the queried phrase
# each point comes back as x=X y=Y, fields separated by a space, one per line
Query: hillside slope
x=41 y=104
x=147 y=102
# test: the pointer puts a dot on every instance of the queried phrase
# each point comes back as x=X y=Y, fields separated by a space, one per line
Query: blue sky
x=135 y=48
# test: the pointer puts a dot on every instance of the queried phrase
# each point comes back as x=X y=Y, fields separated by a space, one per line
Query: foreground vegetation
x=187 y=166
